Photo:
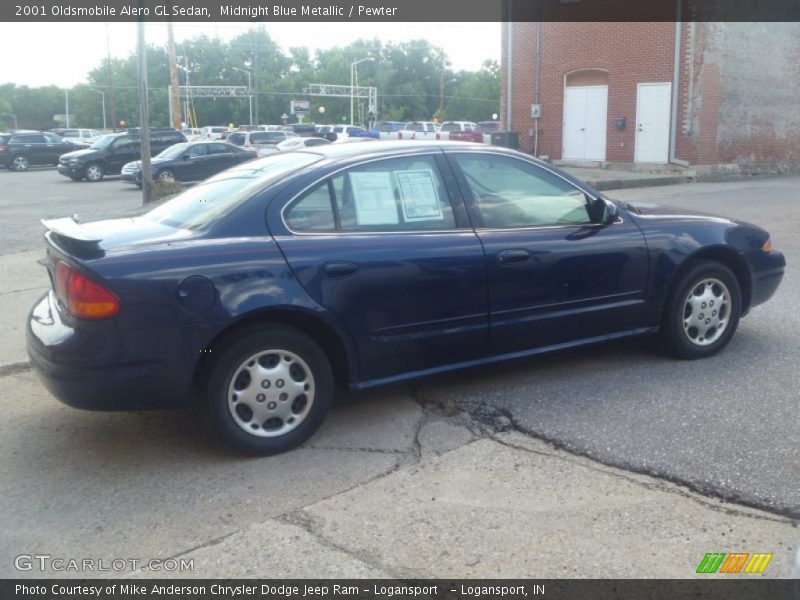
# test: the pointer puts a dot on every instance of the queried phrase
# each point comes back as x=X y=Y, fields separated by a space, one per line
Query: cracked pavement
x=610 y=461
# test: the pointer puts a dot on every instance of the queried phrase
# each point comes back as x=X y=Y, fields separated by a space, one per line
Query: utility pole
x=66 y=104
x=110 y=83
x=144 y=120
x=254 y=91
x=175 y=89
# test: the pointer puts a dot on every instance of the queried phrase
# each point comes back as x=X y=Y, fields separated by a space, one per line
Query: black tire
x=165 y=176
x=94 y=172
x=229 y=360
x=676 y=339
x=20 y=163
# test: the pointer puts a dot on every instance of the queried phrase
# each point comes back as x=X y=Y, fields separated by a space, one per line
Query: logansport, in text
x=253 y=11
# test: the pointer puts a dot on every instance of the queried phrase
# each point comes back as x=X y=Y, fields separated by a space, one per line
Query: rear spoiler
x=71 y=237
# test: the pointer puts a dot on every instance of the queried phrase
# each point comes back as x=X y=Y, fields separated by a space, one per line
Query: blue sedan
x=262 y=290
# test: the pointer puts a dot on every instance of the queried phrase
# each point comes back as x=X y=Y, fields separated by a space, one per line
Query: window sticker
x=373 y=193
x=418 y=193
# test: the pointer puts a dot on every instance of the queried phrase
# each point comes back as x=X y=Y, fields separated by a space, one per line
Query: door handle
x=513 y=257
x=339 y=268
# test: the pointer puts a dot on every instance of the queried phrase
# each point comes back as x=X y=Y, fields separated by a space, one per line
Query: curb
x=624 y=184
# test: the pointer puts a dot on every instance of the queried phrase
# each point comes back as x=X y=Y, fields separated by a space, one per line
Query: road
x=726 y=426
x=550 y=461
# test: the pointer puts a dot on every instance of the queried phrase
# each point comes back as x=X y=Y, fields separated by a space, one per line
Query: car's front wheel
x=94 y=172
x=702 y=310
x=166 y=176
x=268 y=390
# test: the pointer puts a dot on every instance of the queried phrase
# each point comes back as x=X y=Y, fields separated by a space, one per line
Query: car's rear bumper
x=92 y=367
x=766 y=270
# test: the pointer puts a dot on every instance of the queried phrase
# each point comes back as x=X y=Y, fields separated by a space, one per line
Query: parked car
x=79 y=137
x=189 y=162
x=299 y=143
x=267 y=286
x=340 y=132
x=384 y=128
x=213 y=132
x=255 y=140
x=108 y=155
x=448 y=128
x=302 y=129
x=416 y=130
x=20 y=151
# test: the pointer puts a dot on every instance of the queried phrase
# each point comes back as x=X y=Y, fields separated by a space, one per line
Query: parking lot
x=525 y=469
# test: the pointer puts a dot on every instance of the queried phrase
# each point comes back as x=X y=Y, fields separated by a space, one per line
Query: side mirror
x=611 y=212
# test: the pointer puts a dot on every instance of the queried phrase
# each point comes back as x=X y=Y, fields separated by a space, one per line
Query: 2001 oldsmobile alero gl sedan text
x=261 y=290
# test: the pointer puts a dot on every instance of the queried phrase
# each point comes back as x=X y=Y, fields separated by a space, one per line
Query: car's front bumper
x=766 y=272
x=134 y=178
x=95 y=366
x=70 y=170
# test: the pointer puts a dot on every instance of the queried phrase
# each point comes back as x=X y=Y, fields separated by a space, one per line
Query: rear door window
x=398 y=194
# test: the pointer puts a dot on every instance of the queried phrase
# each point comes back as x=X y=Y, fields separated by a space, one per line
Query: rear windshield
x=489 y=126
x=4 y=139
x=263 y=137
x=211 y=200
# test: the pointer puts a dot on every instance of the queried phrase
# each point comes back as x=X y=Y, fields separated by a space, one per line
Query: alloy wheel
x=706 y=311
x=271 y=393
x=21 y=163
x=94 y=173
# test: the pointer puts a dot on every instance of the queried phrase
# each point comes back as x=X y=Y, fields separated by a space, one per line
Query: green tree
x=475 y=96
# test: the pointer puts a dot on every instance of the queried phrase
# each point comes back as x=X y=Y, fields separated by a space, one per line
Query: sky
x=82 y=46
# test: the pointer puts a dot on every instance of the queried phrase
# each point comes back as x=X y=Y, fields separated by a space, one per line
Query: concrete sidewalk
x=615 y=179
x=22 y=281
x=391 y=486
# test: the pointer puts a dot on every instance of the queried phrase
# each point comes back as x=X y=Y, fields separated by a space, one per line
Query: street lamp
x=103 y=99
x=352 y=78
x=249 y=90
x=66 y=105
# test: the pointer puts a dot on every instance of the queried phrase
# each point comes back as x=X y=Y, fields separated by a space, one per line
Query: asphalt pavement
x=727 y=426
x=607 y=461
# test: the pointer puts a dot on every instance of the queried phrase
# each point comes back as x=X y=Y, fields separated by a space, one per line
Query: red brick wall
x=631 y=53
x=739 y=85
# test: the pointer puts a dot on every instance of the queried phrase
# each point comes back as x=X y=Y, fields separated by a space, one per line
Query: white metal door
x=653 y=102
x=585 y=111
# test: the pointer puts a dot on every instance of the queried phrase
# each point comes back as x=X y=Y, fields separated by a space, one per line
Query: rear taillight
x=3 y=148
x=83 y=297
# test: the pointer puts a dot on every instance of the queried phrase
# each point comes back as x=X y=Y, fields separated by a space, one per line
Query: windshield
x=208 y=202
x=104 y=142
x=174 y=151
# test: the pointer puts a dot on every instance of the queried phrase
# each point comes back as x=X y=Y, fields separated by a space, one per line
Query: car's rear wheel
x=702 y=310
x=268 y=390
x=20 y=163
x=166 y=176
x=94 y=172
